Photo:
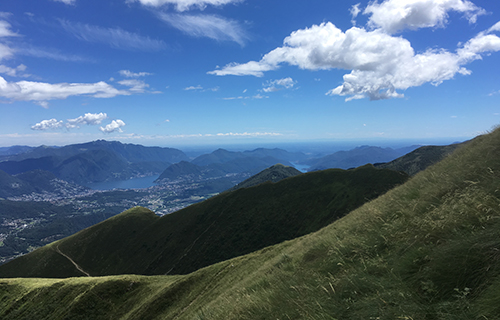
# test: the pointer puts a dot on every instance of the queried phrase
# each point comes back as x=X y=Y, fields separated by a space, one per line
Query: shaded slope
x=185 y=170
x=357 y=157
x=221 y=156
x=48 y=163
x=419 y=159
x=12 y=186
x=425 y=250
x=218 y=156
x=13 y=150
x=36 y=182
x=274 y=173
x=217 y=229
x=52 y=260
x=251 y=165
x=94 y=161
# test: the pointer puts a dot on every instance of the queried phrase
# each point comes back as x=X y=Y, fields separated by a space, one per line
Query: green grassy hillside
x=428 y=249
x=223 y=227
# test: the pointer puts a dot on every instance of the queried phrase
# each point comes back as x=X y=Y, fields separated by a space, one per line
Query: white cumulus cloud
x=87 y=119
x=115 y=125
x=48 y=125
x=380 y=64
x=396 y=15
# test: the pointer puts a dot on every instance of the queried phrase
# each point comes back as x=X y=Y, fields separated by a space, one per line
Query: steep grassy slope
x=53 y=260
x=220 y=228
x=428 y=249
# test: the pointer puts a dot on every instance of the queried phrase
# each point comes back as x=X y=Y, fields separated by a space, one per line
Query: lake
x=301 y=167
x=136 y=183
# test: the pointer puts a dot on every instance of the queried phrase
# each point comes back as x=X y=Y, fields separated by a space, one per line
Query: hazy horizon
x=314 y=147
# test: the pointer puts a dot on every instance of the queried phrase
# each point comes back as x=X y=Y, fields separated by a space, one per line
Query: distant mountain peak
x=273 y=174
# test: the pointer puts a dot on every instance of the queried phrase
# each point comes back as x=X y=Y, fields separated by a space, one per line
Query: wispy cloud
x=5 y=52
x=223 y=134
x=69 y=2
x=46 y=53
x=5 y=30
x=114 y=37
x=13 y=72
x=200 y=88
x=210 y=26
x=355 y=10
x=257 y=96
x=41 y=92
x=247 y=134
x=136 y=86
x=130 y=74
x=183 y=5
x=279 y=84
x=251 y=68
x=87 y=119
x=48 y=125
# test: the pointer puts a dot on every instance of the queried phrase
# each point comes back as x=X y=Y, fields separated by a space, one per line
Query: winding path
x=73 y=262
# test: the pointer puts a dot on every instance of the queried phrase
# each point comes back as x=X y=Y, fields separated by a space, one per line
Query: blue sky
x=187 y=72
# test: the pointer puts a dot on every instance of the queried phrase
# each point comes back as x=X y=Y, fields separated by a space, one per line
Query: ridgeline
x=428 y=249
x=223 y=227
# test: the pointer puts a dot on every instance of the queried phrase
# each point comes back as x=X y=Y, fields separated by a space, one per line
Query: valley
x=312 y=245
x=58 y=208
x=54 y=216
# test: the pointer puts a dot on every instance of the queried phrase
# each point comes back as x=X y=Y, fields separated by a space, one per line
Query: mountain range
x=94 y=161
x=426 y=249
x=102 y=160
x=357 y=157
